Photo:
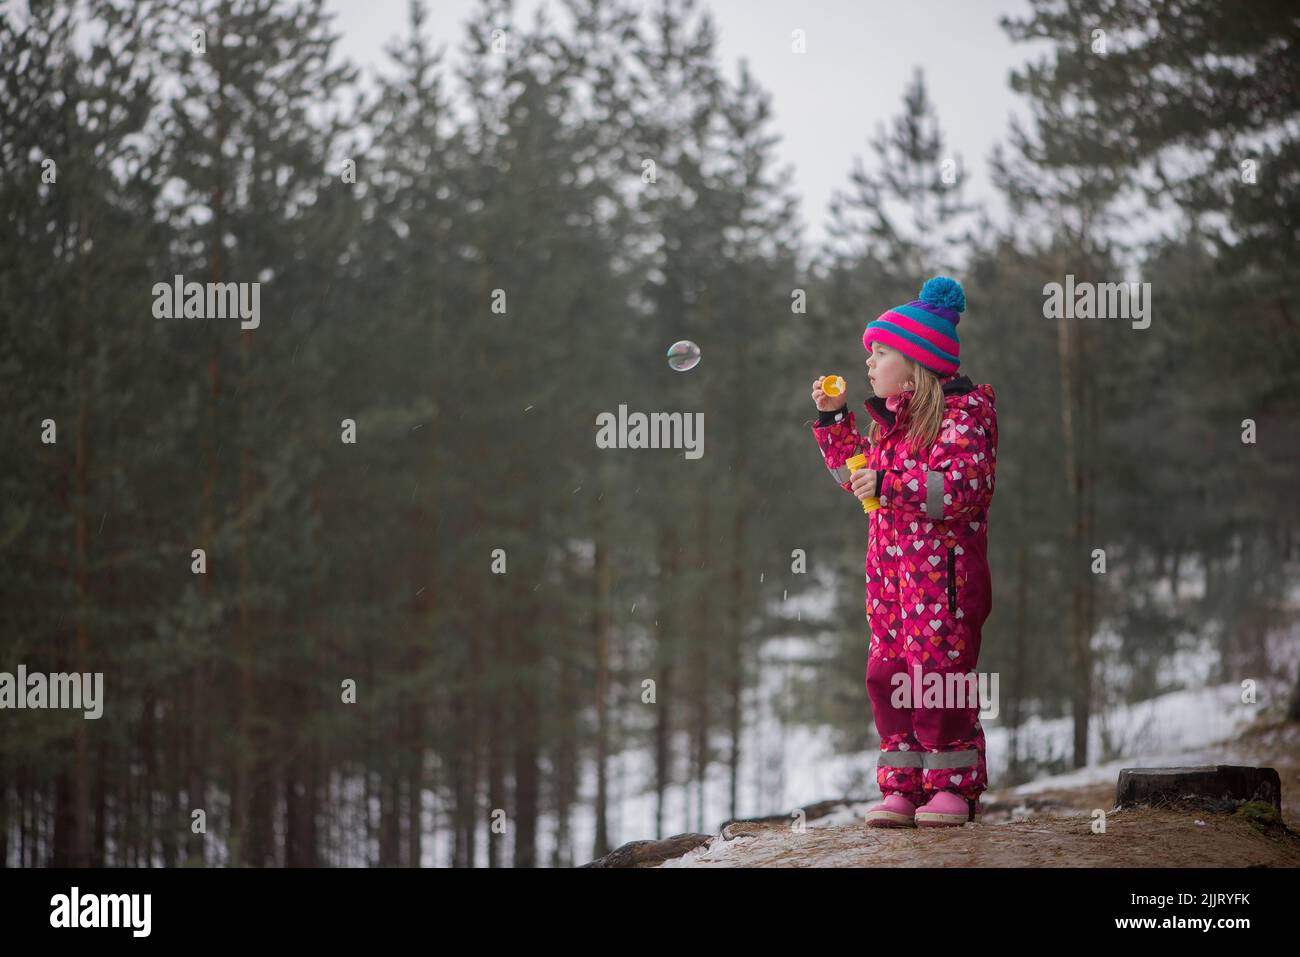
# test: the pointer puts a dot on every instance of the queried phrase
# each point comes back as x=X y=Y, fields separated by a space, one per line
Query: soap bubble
x=683 y=356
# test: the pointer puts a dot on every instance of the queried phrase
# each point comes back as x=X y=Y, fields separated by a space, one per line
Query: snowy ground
x=786 y=766
x=1176 y=728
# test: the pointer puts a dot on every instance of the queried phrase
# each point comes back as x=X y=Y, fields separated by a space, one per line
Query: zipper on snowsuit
x=952 y=580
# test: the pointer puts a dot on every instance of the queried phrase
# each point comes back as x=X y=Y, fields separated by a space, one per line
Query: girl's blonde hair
x=924 y=413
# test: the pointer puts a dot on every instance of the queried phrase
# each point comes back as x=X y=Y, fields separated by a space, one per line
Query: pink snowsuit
x=927 y=578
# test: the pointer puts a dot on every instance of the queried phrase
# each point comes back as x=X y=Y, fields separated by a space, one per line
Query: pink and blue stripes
x=922 y=331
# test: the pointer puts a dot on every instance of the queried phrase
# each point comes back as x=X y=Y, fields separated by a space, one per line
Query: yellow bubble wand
x=855 y=464
x=833 y=385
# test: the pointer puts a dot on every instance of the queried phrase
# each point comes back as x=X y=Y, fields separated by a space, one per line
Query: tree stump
x=1217 y=787
x=810 y=813
x=650 y=853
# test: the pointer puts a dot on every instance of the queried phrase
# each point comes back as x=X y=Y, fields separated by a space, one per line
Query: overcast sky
x=826 y=102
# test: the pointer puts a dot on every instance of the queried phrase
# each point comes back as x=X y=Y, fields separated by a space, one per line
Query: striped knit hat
x=926 y=328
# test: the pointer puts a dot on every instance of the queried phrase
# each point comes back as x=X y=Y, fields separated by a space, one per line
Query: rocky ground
x=1026 y=827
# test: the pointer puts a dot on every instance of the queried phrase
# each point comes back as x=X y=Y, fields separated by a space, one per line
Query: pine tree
x=249 y=158
x=77 y=187
x=907 y=214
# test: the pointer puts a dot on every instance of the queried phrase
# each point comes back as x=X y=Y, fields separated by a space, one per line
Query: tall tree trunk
x=72 y=792
x=414 y=784
x=169 y=785
x=23 y=792
x=735 y=628
x=390 y=838
x=415 y=793
x=498 y=727
x=736 y=666
x=667 y=652
x=459 y=764
x=308 y=851
x=1077 y=557
x=1019 y=665
x=700 y=668
x=474 y=696
x=426 y=605
x=81 y=652
x=236 y=843
x=568 y=707
x=600 y=639
x=527 y=728
x=74 y=845
x=197 y=739
x=146 y=748
x=1087 y=510
x=248 y=753
x=4 y=800
x=294 y=850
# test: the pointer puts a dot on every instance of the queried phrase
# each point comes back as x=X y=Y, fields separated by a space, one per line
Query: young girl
x=931 y=451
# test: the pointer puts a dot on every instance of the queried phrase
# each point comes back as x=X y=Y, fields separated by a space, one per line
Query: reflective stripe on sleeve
x=934 y=494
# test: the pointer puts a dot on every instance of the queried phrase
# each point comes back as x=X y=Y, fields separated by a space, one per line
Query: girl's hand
x=864 y=483
x=824 y=402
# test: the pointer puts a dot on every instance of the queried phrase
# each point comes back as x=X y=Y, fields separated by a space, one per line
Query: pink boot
x=894 y=811
x=945 y=809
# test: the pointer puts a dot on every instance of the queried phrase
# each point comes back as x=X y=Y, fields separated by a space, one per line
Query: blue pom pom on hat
x=944 y=292
x=924 y=329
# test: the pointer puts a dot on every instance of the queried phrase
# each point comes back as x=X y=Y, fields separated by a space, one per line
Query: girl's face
x=888 y=371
